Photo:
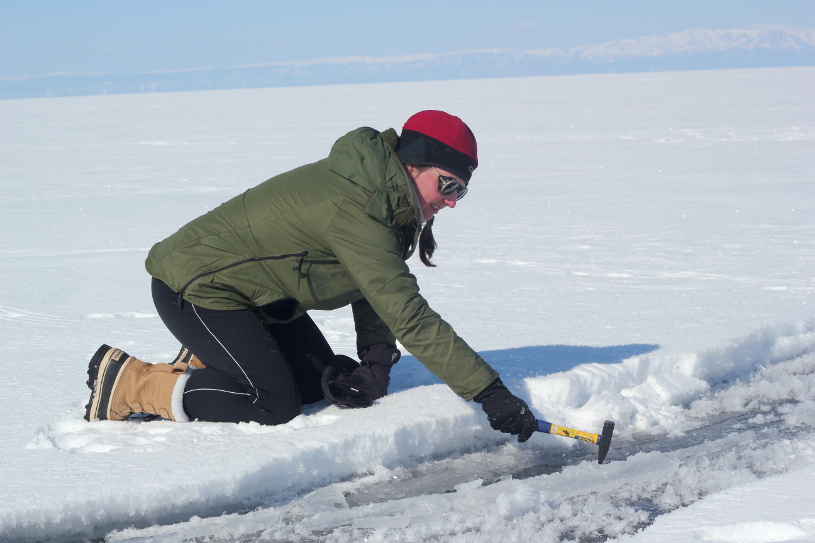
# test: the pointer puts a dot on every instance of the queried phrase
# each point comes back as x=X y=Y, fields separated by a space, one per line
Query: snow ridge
x=646 y=395
x=583 y=500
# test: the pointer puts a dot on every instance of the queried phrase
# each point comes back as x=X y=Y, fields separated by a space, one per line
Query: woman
x=234 y=287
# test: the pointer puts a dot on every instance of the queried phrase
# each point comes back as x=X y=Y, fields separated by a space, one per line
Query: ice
x=324 y=498
x=467 y=487
x=634 y=247
x=583 y=499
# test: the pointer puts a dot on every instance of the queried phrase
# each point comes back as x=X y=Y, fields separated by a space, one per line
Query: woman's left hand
x=363 y=385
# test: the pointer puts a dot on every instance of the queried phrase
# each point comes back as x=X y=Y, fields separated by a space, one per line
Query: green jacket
x=322 y=236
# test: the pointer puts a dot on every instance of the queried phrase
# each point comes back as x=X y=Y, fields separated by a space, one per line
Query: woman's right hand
x=506 y=412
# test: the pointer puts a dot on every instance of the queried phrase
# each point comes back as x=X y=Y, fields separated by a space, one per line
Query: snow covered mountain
x=779 y=38
x=758 y=46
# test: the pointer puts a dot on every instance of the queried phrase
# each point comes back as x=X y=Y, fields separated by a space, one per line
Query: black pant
x=255 y=371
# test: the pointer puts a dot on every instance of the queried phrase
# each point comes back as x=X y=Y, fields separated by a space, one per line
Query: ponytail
x=427 y=244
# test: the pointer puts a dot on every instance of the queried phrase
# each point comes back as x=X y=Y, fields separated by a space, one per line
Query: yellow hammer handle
x=574 y=434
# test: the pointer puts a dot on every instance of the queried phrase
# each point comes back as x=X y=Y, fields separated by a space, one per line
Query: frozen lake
x=635 y=247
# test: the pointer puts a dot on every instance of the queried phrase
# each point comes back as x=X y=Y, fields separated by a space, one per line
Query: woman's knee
x=214 y=397
x=274 y=409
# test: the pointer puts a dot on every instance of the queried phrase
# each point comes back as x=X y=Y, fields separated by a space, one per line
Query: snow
x=635 y=247
x=743 y=522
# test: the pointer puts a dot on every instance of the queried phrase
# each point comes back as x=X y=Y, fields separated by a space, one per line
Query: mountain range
x=695 y=49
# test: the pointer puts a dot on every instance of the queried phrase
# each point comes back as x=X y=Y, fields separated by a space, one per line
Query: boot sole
x=103 y=371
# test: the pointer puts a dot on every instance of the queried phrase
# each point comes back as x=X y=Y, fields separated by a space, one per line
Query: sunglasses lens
x=449 y=185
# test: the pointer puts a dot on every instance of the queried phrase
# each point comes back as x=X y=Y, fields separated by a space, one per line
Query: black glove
x=363 y=385
x=507 y=413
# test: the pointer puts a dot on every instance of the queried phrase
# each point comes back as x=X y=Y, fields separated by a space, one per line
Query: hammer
x=603 y=439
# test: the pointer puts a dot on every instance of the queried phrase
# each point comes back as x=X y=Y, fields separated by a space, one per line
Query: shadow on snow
x=522 y=362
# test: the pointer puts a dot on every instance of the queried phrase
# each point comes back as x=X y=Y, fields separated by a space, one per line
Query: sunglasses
x=448 y=185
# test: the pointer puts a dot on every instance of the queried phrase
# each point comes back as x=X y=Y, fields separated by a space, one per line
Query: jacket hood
x=367 y=158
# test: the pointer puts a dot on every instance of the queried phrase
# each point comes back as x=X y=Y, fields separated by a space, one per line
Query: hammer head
x=605 y=441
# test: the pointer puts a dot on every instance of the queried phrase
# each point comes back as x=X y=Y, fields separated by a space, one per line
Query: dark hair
x=427 y=243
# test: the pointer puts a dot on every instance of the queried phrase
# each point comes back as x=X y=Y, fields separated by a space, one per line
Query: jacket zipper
x=299 y=269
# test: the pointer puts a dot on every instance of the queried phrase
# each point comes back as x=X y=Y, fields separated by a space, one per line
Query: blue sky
x=45 y=36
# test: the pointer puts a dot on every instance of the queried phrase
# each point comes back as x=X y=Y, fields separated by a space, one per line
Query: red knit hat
x=436 y=138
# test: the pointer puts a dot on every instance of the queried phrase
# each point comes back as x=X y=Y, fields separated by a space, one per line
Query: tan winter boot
x=122 y=385
x=185 y=356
